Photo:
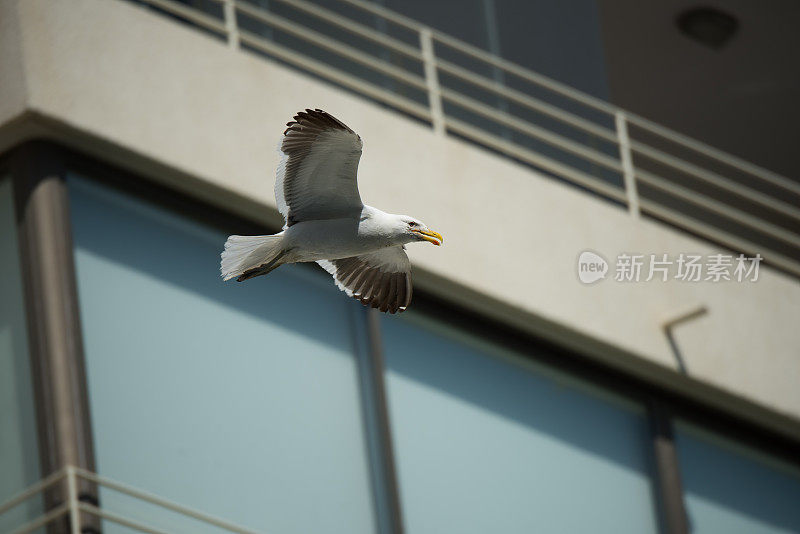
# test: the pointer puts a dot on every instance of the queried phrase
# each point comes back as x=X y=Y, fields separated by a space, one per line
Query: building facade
x=559 y=369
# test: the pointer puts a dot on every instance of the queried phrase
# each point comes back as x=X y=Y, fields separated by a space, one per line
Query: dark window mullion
x=371 y=367
x=671 y=508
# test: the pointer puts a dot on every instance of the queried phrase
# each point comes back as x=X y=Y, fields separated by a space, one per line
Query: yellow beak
x=430 y=236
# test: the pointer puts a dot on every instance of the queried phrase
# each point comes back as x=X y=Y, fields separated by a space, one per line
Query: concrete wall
x=12 y=74
x=167 y=101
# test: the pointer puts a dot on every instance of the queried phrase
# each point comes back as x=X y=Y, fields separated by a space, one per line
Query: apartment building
x=606 y=342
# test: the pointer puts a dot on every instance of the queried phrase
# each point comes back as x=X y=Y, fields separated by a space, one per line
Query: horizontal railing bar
x=355 y=27
x=343 y=50
x=360 y=86
x=116 y=518
x=154 y=499
x=32 y=490
x=586 y=180
x=503 y=118
x=527 y=100
x=386 y=14
x=192 y=14
x=719 y=155
x=526 y=74
x=717 y=180
x=42 y=520
x=708 y=232
x=720 y=208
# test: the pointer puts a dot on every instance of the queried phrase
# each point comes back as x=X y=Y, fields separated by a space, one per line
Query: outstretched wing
x=316 y=177
x=380 y=279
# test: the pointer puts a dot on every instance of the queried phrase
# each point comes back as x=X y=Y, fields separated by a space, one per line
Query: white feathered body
x=333 y=239
x=306 y=241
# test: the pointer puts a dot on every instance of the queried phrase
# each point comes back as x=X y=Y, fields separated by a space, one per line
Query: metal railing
x=73 y=508
x=548 y=125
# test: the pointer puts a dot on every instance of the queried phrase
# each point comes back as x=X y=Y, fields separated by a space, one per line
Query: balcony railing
x=461 y=90
x=76 y=511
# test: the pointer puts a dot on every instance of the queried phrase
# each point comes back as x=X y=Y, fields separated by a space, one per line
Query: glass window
x=240 y=400
x=489 y=442
x=19 y=457
x=732 y=489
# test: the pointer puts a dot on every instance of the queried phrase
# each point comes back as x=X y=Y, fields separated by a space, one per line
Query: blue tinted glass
x=241 y=400
x=732 y=489
x=488 y=443
x=19 y=460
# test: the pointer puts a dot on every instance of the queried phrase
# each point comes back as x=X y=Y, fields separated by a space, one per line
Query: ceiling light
x=708 y=26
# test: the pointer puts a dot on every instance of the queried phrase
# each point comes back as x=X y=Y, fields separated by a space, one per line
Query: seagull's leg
x=263 y=269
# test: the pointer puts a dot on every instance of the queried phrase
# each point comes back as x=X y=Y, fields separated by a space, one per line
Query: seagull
x=316 y=191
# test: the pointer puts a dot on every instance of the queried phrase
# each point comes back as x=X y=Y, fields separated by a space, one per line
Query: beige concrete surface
x=12 y=75
x=167 y=101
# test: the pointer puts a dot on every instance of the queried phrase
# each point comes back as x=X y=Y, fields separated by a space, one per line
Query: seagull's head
x=413 y=230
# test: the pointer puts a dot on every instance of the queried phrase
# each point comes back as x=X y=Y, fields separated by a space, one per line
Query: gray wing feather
x=316 y=177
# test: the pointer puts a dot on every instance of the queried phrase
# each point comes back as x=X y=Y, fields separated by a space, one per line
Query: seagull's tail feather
x=246 y=256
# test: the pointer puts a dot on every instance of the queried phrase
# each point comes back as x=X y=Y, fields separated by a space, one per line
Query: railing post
x=231 y=28
x=72 y=501
x=432 y=80
x=628 y=174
